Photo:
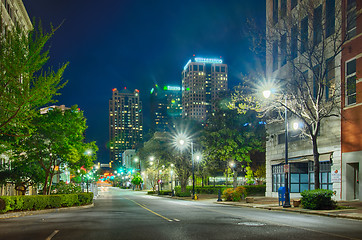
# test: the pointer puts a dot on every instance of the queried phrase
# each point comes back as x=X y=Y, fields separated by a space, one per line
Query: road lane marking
x=176 y=220
x=142 y=206
x=52 y=235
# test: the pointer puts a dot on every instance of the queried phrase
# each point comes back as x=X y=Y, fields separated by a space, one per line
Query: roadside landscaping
x=39 y=202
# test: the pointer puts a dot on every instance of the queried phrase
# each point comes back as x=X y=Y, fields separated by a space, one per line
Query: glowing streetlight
x=267 y=94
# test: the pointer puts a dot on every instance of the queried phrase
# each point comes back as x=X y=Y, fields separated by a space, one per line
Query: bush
x=318 y=199
x=255 y=189
x=151 y=192
x=37 y=202
x=183 y=194
x=234 y=195
x=165 y=192
x=64 y=188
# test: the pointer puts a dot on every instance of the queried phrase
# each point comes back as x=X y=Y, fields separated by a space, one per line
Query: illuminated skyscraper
x=203 y=79
x=125 y=122
x=165 y=107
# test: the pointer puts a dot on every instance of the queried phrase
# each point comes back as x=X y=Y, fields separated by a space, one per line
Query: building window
x=275 y=55
x=324 y=175
x=330 y=17
x=283 y=50
x=351 y=83
x=351 y=18
x=317 y=25
x=283 y=8
x=298 y=177
x=330 y=83
x=278 y=176
x=304 y=35
x=275 y=11
x=294 y=42
x=293 y=3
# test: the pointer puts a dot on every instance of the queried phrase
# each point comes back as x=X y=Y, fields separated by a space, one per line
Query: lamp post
x=267 y=94
x=181 y=142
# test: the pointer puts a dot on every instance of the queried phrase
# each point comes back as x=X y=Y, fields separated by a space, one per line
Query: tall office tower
x=166 y=107
x=125 y=123
x=203 y=80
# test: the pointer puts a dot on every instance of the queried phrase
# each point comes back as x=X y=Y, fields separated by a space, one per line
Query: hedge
x=210 y=189
x=318 y=199
x=38 y=202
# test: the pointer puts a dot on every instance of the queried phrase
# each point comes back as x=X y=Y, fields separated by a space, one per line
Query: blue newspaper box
x=281 y=195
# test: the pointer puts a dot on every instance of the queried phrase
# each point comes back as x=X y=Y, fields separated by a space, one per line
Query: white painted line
x=52 y=235
x=176 y=220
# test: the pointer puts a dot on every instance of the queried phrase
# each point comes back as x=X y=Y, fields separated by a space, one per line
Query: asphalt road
x=125 y=214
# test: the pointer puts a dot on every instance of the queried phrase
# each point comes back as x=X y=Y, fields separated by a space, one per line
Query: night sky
x=137 y=43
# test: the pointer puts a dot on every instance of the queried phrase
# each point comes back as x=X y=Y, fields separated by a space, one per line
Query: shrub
x=85 y=198
x=318 y=199
x=255 y=189
x=238 y=194
x=235 y=195
x=64 y=188
x=165 y=192
x=227 y=194
x=37 y=202
x=183 y=194
x=151 y=192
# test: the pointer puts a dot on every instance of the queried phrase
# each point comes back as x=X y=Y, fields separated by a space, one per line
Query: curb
x=300 y=211
x=37 y=212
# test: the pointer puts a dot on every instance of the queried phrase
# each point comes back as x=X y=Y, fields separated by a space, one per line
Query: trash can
x=281 y=195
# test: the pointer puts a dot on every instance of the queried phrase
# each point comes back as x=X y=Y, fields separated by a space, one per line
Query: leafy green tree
x=230 y=136
x=25 y=85
x=137 y=180
x=58 y=140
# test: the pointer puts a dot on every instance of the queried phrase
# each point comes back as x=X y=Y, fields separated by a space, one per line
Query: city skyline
x=139 y=44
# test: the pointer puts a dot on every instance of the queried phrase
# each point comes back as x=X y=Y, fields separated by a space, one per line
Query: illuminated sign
x=171 y=88
x=152 y=90
x=208 y=60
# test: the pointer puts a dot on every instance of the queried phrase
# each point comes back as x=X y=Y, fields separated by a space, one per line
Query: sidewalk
x=348 y=209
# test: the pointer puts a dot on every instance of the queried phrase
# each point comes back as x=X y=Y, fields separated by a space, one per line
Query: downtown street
x=126 y=214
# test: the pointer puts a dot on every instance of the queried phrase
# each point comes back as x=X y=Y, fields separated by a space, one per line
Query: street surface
x=126 y=214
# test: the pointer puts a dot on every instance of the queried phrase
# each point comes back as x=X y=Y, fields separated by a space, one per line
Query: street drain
x=252 y=224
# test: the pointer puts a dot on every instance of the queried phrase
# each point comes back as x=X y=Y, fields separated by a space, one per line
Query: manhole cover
x=254 y=224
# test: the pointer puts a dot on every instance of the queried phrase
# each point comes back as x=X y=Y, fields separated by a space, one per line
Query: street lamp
x=267 y=94
x=181 y=142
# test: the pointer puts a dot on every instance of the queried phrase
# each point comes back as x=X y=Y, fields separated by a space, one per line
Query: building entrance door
x=355 y=167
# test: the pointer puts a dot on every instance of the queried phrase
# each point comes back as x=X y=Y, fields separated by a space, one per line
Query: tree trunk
x=235 y=178
x=183 y=184
x=45 y=184
x=316 y=163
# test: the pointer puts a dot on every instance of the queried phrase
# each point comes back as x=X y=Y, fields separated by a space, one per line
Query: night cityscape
x=180 y=120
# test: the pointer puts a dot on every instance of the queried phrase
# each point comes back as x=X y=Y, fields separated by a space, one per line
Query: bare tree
x=303 y=50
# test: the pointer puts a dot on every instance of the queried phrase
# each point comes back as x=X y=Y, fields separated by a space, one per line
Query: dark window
x=223 y=69
x=278 y=176
x=304 y=35
x=217 y=69
x=351 y=18
x=194 y=67
x=201 y=68
x=317 y=25
x=283 y=8
x=324 y=175
x=293 y=3
x=275 y=11
x=316 y=80
x=283 y=50
x=330 y=17
x=294 y=42
x=298 y=177
x=330 y=83
x=351 y=82
x=275 y=55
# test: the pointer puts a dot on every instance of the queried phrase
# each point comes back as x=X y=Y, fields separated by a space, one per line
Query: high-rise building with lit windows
x=203 y=80
x=166 y=107
x=125 y=122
